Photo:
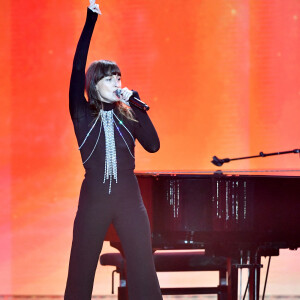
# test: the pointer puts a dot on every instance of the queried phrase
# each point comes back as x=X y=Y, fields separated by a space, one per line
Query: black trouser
x=96 y=211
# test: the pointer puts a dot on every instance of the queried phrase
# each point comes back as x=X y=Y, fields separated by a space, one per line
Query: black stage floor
x=183 y=297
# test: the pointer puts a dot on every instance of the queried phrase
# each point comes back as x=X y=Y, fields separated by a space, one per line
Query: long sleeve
x=77 y=101
x=145 y=131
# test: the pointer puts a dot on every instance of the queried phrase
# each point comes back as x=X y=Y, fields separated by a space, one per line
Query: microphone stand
x=219 y=162
x=254 y=258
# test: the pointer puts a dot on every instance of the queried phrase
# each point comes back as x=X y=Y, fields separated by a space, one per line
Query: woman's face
x=107 y=86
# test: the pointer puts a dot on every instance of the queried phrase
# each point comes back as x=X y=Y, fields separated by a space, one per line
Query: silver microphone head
x=118 y=92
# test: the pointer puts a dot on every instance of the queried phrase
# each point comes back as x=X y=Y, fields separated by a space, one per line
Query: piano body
x=239 y=215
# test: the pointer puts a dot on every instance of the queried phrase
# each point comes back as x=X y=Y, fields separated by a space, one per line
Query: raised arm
x=77 y=101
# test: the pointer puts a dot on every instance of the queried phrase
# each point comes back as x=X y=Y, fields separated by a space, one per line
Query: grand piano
x=242 y=215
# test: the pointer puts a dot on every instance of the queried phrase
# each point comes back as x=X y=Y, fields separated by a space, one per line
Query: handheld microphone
x=134 y=101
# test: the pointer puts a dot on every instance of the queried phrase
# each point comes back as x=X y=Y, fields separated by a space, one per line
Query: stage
x=221 y=78
x=115 y=297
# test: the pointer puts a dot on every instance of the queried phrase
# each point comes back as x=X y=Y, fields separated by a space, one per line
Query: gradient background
x=222 y=78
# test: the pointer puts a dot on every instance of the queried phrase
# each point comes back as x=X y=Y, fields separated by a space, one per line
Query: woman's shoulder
x=123 y=119
x=84 y=115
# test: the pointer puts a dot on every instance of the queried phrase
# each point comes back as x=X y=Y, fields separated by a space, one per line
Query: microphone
x=219 y=162
x=134 y=101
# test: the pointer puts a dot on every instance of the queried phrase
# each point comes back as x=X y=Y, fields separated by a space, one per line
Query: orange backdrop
x=222 y=78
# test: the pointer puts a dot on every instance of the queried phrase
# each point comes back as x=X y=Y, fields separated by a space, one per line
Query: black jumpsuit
x=97 y=209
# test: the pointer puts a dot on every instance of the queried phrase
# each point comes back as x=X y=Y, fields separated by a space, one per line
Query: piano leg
x=232 y=272
x=254 y=279
x=223 y=285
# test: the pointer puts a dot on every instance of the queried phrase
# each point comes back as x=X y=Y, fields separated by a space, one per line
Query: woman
x=106 y=129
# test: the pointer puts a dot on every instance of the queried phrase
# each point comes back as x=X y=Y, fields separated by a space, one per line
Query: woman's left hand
x=125 y=95
x=94 y=7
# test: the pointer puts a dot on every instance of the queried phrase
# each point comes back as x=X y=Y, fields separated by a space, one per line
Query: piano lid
x=270 y=172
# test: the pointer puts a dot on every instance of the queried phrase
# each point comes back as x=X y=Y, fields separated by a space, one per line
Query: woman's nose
x=117 y=83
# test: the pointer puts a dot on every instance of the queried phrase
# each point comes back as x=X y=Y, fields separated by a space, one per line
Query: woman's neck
x=108 y=106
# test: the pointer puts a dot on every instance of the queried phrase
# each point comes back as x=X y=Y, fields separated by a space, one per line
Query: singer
x=106 y=129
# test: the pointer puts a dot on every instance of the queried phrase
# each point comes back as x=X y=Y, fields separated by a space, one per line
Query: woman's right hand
x=94 y=7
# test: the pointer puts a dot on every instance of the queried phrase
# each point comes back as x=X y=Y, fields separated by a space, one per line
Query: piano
x=237 y=214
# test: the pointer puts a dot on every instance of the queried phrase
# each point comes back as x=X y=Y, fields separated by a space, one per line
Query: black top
x=83 y=117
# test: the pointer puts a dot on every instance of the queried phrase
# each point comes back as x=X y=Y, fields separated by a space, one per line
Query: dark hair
x=96 y=71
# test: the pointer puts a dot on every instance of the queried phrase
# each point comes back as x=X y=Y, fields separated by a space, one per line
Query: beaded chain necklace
x=108 y=123
x=110 y=170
